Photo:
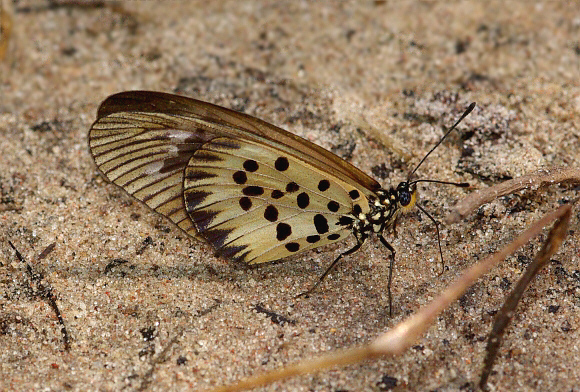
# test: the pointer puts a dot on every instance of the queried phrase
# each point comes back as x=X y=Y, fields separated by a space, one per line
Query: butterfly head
x=399 y=199
x=388 y=205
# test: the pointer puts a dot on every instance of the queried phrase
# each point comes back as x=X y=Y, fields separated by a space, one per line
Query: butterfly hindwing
x=255 y=203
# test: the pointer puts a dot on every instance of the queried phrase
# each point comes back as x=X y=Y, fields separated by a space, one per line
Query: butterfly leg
x=348 y=252
x=438 y=237
x=391 y=265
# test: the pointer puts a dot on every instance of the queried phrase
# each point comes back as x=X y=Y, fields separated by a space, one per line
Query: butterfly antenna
x=467 y=111
x=459 y=184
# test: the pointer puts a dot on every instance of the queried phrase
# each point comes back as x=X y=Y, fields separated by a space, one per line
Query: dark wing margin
x=229 y=123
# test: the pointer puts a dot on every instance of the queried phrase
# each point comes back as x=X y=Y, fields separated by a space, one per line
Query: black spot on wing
x=245 y=203
x=276 y=194
x=345 y=220
x=281 y=164
x=323 y=185
x=303 y=200
x=333 y=206
x=283 y=231
x=292 y=246
x=253 y=190
x=354 y=194
x=320 y=223
x=271 y=213
x=292 y=187
x=240 y=177
x=251 y=165
x=311 y=239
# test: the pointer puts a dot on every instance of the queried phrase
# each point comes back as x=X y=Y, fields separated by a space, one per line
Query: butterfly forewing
x=256 y=203
x=146 y=155
x=155 y=110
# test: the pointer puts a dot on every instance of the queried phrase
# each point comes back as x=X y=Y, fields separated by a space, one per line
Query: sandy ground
x=345 y=75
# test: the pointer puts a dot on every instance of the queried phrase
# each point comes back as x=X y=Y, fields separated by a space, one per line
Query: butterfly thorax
x=385 y=206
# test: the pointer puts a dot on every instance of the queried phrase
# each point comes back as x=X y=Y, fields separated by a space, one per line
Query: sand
x=375 y=83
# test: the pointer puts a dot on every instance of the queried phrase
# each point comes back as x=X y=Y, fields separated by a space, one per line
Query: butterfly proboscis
x=255 y=192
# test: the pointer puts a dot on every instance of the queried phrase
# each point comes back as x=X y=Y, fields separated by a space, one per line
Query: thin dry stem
x=540 y=178
x=504 y=316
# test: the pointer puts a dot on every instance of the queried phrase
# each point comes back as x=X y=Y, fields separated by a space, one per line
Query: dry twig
x=506 y=313
x=540 y=178
x=44 y=290
x=405 y=334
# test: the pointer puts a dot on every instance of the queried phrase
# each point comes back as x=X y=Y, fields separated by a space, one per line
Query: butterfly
x=255 y=192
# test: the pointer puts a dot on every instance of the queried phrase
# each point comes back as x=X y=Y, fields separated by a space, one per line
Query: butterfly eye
x=404 y=194
x=404 y=197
